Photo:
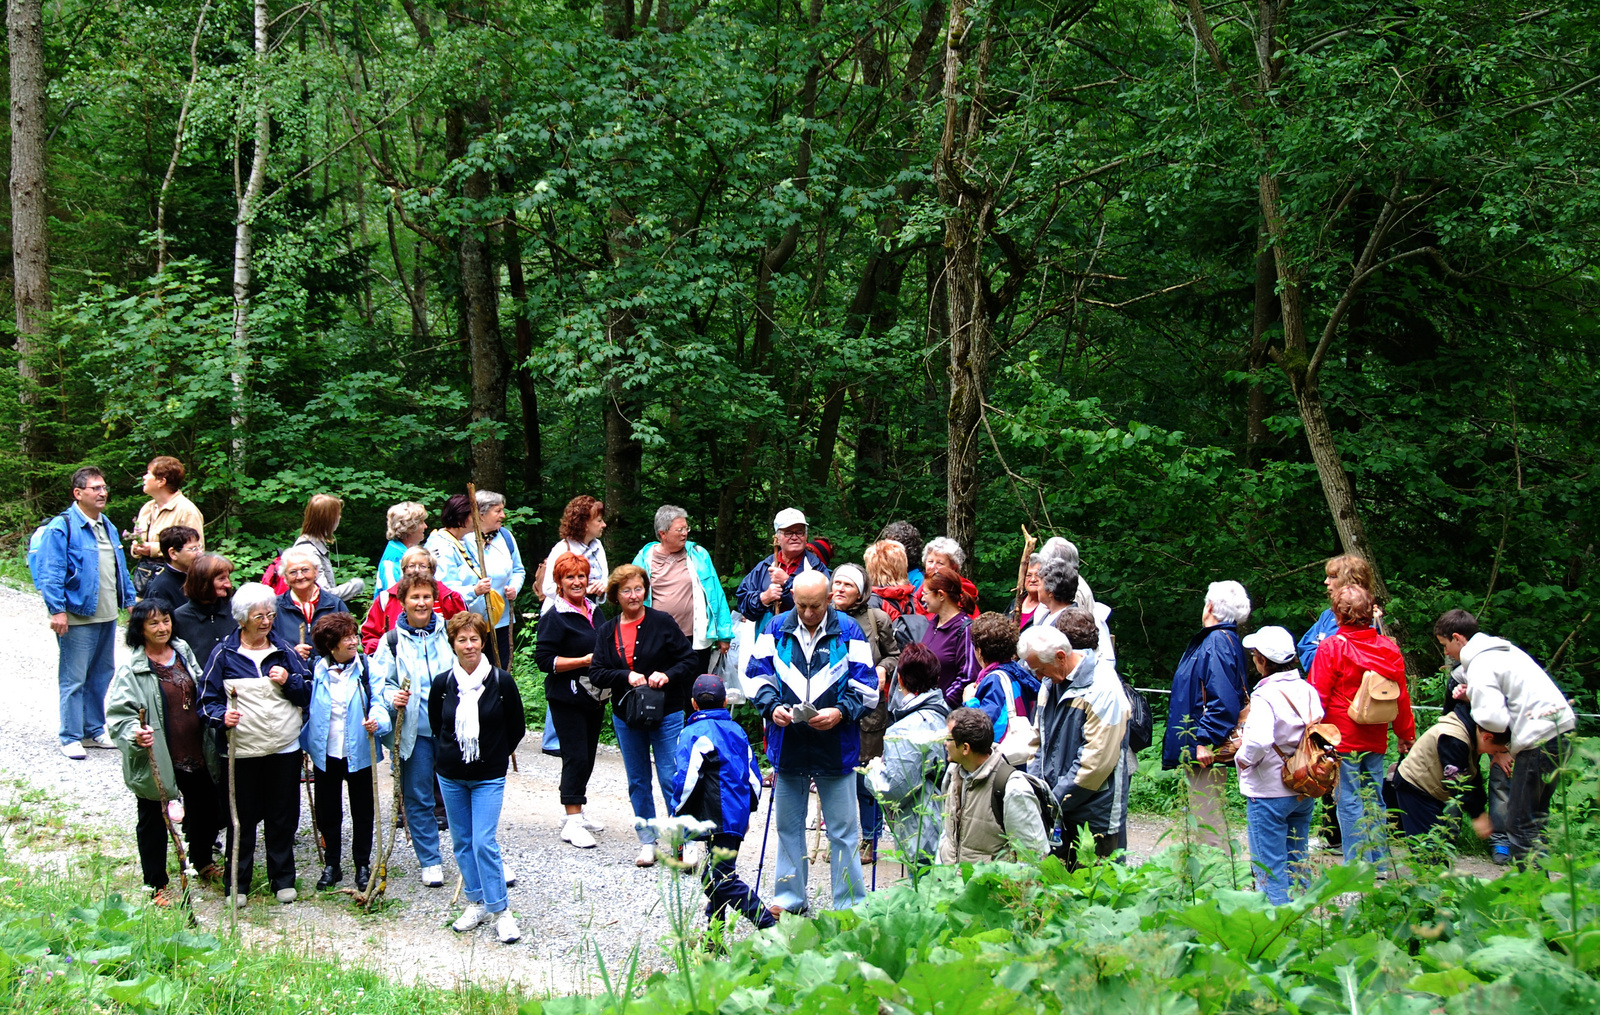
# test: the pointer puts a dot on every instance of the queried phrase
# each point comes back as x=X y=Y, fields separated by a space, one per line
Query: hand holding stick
x=233 y=816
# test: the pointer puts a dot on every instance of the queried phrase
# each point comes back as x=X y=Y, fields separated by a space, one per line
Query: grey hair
x=404 y=517
x=1061 y=549
x=947 y=546
x=1059 y=579
x=250 y=595
x=488 y=500
x=1035 y=559
x=1229 y=602
x=1042 y=643
x=666 y=514
x=299 y=553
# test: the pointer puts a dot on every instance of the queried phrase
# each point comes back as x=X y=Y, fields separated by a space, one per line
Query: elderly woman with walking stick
x=169 y=760
x=254 y=691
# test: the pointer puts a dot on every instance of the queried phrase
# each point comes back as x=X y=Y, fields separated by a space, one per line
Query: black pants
x=702 y=658
x=1105 y=843
x=201 y=821
x=267 y=792
x=330 y=811
x=502 y=641
x=726 y=890
x=1419 y=812
x=578 y=724
x=1533 y=784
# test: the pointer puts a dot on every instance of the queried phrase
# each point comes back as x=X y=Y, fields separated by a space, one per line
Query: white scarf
x=469 y=688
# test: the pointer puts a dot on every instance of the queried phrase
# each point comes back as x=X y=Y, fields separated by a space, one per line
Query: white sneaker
x=590 y=823
x=506 y=928
x=239 y=901
x=433 y=877
x=74 y=750
x=647 y=855
x=694 y=853
x=473 y=916
x=103 y=742
x=287 y=895
x=511 y=876
x=572 y=831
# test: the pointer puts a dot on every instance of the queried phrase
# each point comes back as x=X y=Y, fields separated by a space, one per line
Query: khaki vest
x=1421 y=768
x=971 y=833
x=268 y=721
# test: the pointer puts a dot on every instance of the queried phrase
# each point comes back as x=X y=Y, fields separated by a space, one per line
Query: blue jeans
x=416 y=785
x=474 y=810
x=87 y=663
x=1279 y=829
x=1363 y=825
x=791 y=799
x=637 y=746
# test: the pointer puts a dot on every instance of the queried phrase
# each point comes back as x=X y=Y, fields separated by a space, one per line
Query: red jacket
x=386 y=610
x=1336 y=674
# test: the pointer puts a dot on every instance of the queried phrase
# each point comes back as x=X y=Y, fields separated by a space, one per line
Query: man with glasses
x=84 y=581
x=769 y=587
x=684 y=584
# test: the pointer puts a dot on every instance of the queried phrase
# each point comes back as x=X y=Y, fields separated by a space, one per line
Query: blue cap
x=709 y=691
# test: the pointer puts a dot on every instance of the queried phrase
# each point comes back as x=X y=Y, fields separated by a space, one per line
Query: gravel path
x=575 y=907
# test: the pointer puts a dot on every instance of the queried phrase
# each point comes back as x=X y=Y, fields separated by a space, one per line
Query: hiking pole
x=308 y=776
x=380 y=871
x=761 y=863
x=233 y=815
x=166 y=816
x=877 y=829
x=377 y=811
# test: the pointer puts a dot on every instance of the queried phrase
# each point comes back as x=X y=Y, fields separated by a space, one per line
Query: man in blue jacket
x=719 y=782
x=769 y=587
x=84 y=581
x=812 y=680
x=1208 y=690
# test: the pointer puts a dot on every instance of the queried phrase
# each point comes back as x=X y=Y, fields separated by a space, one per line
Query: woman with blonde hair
x=892 y=590
x=1338 y=572
x=321 y=520
x=406 y=524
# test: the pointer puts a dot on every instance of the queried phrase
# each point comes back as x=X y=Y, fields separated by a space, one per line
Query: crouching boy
x=719 y=782
x=1441 y=767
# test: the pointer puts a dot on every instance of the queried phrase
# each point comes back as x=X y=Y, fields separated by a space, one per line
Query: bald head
x=811 y=598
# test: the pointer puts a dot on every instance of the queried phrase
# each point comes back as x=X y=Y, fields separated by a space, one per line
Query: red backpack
x=274 y=577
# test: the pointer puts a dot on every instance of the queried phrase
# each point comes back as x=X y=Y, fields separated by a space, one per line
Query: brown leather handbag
x=1313 y=769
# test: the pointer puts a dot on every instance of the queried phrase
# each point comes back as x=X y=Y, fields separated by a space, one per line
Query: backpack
x=273 y=577
x=1377 y=701
x=909 y=627
x=1049 y=810
x=1313 y=769
x=1141 y=722
x=36 y=548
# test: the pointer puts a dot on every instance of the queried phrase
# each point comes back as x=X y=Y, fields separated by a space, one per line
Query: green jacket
x=135 y=687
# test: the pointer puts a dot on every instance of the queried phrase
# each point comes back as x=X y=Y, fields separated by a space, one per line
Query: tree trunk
x=244 y=249
x=481 y=312
x=624 y=467
x=1266 y=311
x=532 y=446
x=1336 y=485
x=30 y=241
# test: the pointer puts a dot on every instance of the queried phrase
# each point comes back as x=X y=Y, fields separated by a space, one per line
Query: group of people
x=881 y=688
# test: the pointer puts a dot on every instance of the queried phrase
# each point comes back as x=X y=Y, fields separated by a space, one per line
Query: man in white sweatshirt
x=1509 y=691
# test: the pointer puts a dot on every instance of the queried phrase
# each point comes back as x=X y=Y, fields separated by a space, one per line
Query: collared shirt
x=808 y=639
x=155 y=519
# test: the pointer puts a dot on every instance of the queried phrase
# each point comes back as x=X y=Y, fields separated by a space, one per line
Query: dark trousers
x=502 y=642
x=1533 y=783
x=1419 y=812
x=702 y=659
x=1105 y=843
x=726 y=890
x=267 y=792
x=330 y=810
x=578 y=724
x=201 y=822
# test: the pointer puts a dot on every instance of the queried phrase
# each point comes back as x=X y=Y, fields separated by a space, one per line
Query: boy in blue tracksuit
x=718 y=781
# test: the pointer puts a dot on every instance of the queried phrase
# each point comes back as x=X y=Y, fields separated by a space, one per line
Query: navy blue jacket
x=1216 y=661
x=227 y=664
x=748 y=595
x=287 y=624
x=839 y=675
x=718 y=779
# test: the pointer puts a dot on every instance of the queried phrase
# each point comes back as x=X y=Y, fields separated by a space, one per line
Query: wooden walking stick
x=1029 y=541
x=233 y=815
x=166 y=817
x=380 y=870
x=377 y=811
x=309 y=778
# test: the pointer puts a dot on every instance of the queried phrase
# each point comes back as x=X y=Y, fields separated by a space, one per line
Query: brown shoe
x=211 y=874
x=165 y=896
x=869 y=854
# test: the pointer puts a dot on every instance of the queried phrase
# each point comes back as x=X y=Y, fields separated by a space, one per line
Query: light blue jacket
x=422 y=655
x=712 y=619
x=69 y=565
x=314 y=735
x=457 y=567
x=389 y=572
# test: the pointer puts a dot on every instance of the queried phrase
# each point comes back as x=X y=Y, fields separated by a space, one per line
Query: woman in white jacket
x=1279 y=820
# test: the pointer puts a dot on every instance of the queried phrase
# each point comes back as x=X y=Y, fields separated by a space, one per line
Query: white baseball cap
x=1276 y=643
x=788 y=517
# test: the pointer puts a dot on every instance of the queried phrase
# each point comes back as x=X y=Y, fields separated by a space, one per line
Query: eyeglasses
x=260 y=617
x=297 y=572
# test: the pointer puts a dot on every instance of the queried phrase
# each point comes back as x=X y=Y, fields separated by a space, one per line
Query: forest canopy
x=1215 y=291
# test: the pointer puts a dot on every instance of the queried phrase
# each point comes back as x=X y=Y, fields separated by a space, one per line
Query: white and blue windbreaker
x=839 y=675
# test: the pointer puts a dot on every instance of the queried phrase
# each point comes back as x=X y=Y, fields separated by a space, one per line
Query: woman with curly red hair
x=582 y=524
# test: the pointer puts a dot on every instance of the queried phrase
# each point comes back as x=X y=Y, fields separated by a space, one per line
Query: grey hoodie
x=1508 y=690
